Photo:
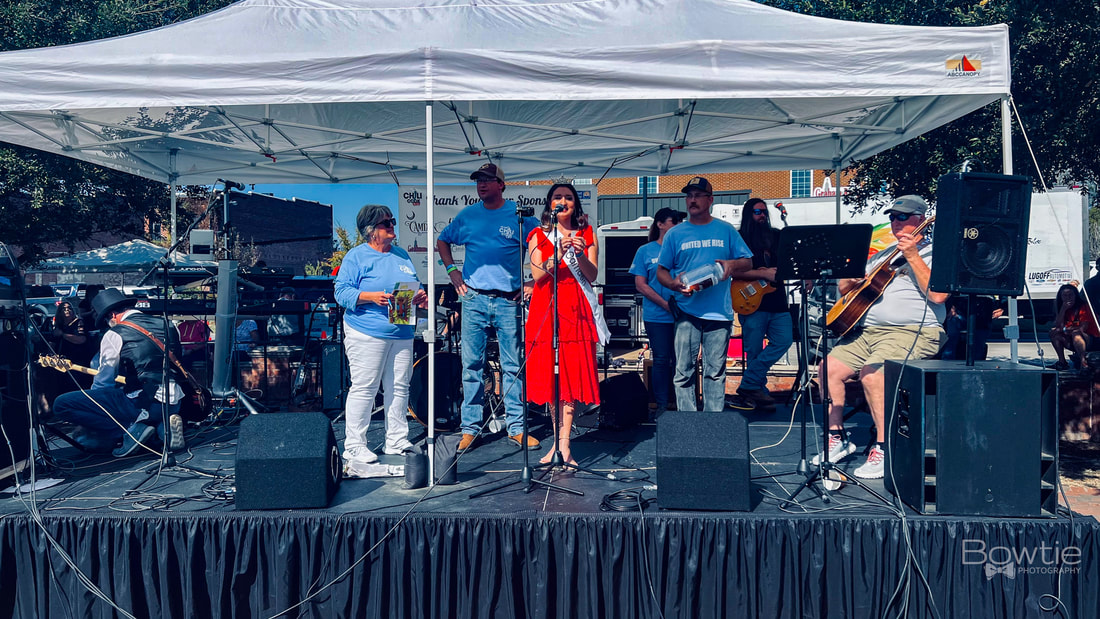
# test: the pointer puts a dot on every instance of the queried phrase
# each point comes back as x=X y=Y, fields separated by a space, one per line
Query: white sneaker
x=360 y=454
x=402 y=446
x=176 y=441
x=874 y=467
x=839 y=448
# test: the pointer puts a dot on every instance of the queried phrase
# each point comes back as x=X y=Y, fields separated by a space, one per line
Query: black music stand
x=822 y=253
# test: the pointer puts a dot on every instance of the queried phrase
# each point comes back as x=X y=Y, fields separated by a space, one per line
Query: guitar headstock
x=56 y=362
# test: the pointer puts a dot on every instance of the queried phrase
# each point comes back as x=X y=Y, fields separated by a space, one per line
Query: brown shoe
x=532 y=442
x=466 y=442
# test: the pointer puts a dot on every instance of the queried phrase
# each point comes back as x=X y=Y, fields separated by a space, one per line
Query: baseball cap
x=909 y=205
x=490 y=170
x=698 y=184
x=665 y=212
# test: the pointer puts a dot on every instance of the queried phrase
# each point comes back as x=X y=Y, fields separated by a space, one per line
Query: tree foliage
x=48 y=198
x=1055 y=47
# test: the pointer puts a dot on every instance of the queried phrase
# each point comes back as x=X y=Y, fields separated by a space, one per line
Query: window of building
x=582 y=181
x=801 y=183
x=649 y=183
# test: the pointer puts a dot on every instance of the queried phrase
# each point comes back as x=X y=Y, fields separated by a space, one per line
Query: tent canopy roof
x=334 y=90
x=129 y=257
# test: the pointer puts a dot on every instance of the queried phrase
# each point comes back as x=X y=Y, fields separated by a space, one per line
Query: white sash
x=570 y=260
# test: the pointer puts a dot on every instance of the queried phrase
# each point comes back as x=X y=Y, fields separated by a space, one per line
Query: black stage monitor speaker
x=286 y=461
x=624 y=401
x=335 y=376
x=981 y=233
x=703 y=461
x=980 y=440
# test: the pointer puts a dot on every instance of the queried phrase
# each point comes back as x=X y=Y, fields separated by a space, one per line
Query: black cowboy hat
x=107 y=301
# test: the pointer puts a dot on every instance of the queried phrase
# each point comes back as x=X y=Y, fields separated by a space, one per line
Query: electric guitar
x=61 y=364
x=850 y=308
x=748 y=293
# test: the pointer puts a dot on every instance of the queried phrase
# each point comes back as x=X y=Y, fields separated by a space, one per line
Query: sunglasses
x=900 y=216
x=759 y=211
x=389 y=223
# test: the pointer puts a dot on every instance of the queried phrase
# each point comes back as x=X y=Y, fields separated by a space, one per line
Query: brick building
x=771 y=185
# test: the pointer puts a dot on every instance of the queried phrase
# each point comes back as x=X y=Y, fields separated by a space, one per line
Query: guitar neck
x=69 y=366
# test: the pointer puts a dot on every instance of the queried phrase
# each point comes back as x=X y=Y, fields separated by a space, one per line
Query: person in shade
x=711 y=249
x=489 y=284
x=563 y=251
x=659 y=324
x=133 y=412
x=380 y=353
x=904 y=323
x=772 y=320
x=1073 y=326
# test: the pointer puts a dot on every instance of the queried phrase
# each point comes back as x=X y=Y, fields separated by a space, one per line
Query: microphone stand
x=526 y=476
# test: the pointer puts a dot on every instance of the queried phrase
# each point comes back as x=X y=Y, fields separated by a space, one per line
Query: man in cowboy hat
x=132 y=412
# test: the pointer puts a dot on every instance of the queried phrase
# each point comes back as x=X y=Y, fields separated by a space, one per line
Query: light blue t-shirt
x=688 y=246
x=645 y=264
x=365 y=269
x=493 y=245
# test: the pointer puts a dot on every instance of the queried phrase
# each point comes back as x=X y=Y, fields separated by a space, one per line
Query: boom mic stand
x=526 y=476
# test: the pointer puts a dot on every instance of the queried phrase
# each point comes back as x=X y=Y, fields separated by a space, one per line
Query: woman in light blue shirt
x=659 y=324
x=378 y=350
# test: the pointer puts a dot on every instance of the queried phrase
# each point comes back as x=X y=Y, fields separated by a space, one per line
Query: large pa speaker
x=979 y=440
x=335 y=376
x=703 y=461
x=981 y=233
x=286 y=461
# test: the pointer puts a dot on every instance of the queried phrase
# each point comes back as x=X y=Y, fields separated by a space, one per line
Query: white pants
x=375 y=361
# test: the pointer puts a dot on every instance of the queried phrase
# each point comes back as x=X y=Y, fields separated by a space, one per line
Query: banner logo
x=965 y=66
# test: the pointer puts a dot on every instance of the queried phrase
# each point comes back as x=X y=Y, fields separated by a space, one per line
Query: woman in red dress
x=563 y=238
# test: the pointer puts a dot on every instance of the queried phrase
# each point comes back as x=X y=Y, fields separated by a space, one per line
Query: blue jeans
x=480 y=311
x=661 y=336
x=77 y=408
x=713 y=336
x=779 y=329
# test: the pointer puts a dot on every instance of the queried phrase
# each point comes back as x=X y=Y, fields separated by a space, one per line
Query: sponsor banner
x=412 y=215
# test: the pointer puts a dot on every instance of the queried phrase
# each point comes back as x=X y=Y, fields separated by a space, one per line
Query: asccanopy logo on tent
x=1010 y=562
x=965 y=66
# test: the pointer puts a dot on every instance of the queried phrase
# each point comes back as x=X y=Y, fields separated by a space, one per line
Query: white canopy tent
x=306 y=91
x=134 y=256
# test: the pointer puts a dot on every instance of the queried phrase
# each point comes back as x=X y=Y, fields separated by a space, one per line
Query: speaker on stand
x=981 y=231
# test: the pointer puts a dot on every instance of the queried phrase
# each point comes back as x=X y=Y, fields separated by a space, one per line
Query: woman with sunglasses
x=772 y=319
x=904 y=323
x=378 y=350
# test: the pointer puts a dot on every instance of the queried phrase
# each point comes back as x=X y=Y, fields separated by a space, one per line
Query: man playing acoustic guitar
x=903 y=322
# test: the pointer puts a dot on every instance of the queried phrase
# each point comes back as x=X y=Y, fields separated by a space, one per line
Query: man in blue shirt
x=490 y=286
x=711 y=249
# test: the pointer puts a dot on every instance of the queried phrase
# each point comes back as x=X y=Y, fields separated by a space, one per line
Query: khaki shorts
x=872 y=346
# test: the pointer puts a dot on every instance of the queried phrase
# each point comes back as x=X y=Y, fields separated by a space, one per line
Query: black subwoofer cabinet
x=979 y=440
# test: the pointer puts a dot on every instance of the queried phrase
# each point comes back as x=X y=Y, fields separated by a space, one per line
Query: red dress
x=577 y=335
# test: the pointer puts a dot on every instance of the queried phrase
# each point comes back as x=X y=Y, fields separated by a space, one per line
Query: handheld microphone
x=231 y=185
x=559 y=209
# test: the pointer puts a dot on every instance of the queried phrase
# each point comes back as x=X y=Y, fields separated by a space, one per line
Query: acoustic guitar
x=850 y=308
x=748 y=293
x=61 y=364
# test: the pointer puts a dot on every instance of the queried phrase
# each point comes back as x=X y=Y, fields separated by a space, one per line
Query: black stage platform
x=171 y=544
